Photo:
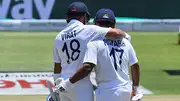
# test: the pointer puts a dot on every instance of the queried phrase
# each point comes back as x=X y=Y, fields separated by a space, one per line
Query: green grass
x=32 y=51
x=157 y=52
x=26 y=51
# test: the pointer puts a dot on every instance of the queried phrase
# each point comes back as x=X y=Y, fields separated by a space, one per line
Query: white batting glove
x=128 y=37
x=63 y=87
x=138 y=95
x=58 y=81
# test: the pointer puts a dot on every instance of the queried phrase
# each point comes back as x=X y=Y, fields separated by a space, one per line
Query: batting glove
x=137 y=96
x=58 y=81
x=64 y=86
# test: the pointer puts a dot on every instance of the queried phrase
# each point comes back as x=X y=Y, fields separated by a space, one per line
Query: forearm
x=136 y=94
x=57 y=71
x=57 y=68
x=135 y=72
x=82 y=72
x=115 y=34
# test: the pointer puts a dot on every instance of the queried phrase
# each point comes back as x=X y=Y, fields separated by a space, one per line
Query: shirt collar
x=74 y=21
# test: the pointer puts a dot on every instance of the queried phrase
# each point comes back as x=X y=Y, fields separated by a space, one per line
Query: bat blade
x=53 y=95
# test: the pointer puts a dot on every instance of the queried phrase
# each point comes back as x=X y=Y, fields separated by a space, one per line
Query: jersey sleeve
x=91 y=53
x=132 y=56
x=102 y=31
x=99 y=32
x=56 y=57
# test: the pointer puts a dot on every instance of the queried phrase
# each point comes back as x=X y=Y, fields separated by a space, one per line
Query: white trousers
x=113 y=94
x=81 y=91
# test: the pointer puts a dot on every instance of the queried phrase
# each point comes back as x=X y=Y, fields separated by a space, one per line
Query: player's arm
x=112 y=33
x=115 y=33
x=57 y=62
x=57 y=70
x=90 y=61
x=82 y=72
x=135 y=73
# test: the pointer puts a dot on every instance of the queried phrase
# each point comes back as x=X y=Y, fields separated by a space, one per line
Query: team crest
x=105 y=16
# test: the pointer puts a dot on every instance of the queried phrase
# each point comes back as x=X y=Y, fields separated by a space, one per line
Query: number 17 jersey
x=112 y=59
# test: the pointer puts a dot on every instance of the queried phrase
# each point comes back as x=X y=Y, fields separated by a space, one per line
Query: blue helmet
x=78 y=8
x=105 y=14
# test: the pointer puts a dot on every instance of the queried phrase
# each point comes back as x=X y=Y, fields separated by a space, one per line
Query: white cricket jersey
x=71 y=42
x=112 y=59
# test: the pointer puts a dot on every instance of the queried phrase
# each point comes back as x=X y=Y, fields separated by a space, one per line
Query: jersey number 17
x=119 y=53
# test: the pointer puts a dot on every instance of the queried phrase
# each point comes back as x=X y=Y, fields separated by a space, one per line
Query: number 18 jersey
x=112 y=59
x=71 y=42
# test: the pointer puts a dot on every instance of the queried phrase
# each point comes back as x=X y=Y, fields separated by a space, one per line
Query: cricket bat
x=53 y=95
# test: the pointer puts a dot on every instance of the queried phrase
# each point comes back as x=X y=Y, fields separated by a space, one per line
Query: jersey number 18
x=74 y=50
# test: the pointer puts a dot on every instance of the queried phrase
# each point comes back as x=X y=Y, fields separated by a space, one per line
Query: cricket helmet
x=105 y=14
x=78 y=8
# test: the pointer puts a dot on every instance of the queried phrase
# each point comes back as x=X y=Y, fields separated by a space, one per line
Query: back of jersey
x=113 y=59
x=70 y=45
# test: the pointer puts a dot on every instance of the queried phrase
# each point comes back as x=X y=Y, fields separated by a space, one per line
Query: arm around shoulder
x=115 y=33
